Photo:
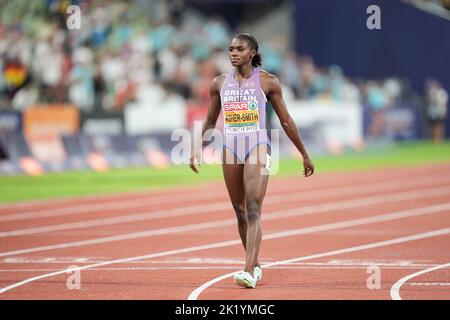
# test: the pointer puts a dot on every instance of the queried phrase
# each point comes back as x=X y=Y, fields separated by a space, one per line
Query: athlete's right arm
x=210 y=122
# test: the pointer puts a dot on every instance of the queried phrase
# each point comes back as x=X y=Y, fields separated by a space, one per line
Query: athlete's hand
x=308 y=167
x=193 y=160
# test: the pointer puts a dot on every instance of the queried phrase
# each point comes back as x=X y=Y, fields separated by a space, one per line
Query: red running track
x=331 y=236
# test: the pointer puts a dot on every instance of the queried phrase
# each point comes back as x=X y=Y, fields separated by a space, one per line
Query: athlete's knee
x=239 y=210
x=253 y=211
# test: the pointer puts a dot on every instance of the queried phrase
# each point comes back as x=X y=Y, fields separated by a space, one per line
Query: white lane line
x=401 y=196
x=70 y=200
x=127 y=236
x=125 y=260
x=426 y=284
x=324 y=227
x=129 y=204
x=102 y=207
x=73 y=200
x=195 y=294
x=316 y=209
x=395 y=289
x=182 y=190
x=164 y=268
x=217 y=261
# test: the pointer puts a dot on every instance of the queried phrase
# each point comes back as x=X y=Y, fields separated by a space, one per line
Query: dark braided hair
x=251 y=40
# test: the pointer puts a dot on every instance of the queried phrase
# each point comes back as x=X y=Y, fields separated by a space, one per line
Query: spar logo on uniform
x=238 y=106
x=253 y=105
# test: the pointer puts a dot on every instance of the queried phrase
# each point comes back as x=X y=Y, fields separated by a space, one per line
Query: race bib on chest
x=241 y=117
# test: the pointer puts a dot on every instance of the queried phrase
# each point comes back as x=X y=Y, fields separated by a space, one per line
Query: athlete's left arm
x=276 y=98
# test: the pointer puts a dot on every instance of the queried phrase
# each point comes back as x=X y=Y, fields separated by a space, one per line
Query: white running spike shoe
x=257 y=273
x=244 y=279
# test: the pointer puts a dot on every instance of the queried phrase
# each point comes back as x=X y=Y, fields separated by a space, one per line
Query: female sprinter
x=242 y=95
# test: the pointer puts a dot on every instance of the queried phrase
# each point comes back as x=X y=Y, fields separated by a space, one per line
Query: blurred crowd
x=121 y=55
x=118 y=55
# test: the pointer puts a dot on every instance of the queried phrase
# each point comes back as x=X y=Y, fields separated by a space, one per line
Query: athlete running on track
x=242 y=95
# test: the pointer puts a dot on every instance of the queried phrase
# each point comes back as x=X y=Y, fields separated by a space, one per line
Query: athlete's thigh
x=234 y=180
x=256 y=174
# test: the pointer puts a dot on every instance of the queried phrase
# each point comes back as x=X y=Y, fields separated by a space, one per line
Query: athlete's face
x=240 y=52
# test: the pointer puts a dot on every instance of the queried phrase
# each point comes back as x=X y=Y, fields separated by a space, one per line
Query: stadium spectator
x=15 y=74
x=290 y=72
x=377 y=101
x=437 y=99
x=99 y=88
x=446 y=4
x=27 y=96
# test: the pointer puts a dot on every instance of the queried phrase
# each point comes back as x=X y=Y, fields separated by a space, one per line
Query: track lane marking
x=307 y=230
x=234 y=268
x=126 y=204
x=314 y=209
x=400 y=196
x=195 y=294
x=395 y=289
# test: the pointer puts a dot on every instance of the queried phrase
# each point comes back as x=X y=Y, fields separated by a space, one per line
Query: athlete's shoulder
x=218 y=81
x=269 y=80
x=264 y=73
x=267 y=76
